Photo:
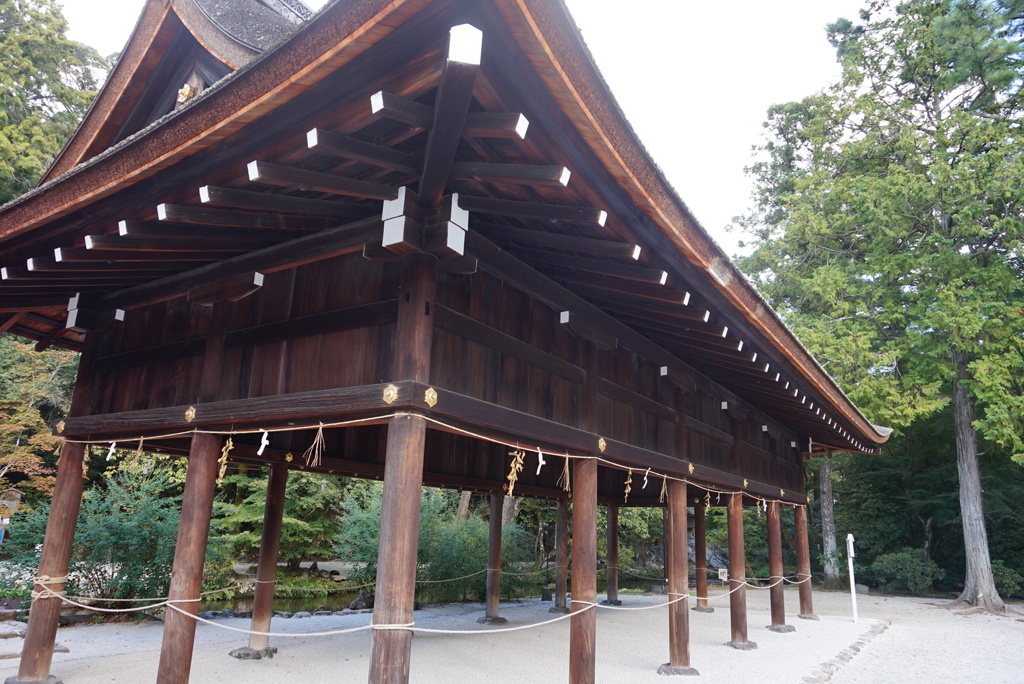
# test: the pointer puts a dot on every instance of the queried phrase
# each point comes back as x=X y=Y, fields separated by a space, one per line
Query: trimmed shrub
x=906 y=570
x=1009 y=582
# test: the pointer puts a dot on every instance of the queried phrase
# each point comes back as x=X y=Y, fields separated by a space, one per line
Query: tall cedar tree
x=47 y=83
x=888 y=229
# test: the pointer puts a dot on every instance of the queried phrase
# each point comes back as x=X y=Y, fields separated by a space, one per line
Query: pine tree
x=889 y=225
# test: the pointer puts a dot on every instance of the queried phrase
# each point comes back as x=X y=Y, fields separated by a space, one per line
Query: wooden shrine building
x=396 y=239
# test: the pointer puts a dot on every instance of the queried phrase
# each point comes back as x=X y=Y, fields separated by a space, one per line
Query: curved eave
x=548 y=36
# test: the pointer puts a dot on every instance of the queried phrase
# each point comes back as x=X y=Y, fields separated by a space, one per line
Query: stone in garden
x=302 y=614
x=362 y=601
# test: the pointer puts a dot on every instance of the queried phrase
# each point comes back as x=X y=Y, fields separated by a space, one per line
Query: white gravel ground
x=900 y=640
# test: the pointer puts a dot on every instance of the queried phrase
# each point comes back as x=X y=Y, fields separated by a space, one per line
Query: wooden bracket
x=231 y=290
x=586 y=330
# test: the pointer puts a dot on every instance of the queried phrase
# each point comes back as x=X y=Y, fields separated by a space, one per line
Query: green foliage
x=35 y=388
x=312 y=514
x=889 y=214
x=46 y=84
x=124 y=539
x=889 y=227
x=448 y=548
x=905 y=570
x=1009 y=582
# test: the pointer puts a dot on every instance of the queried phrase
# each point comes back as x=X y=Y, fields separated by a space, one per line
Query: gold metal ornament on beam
x=744 y=483
x=430 y=396
x=190 y=414
x=691 y=469
x=602 y=444
x=390 y=394
x=60 y=427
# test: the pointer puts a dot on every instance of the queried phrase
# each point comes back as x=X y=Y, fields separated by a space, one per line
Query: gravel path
x=900 y=640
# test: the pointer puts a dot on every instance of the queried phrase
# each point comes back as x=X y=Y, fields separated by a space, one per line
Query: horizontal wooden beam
x=505 y=266
x=517 y=425
x=496 y=125
x=252 y=199
x=581 y=327
x=83 y=255
x=156 y=248
x=210 y=216
x=402 y=109
x=627 y=396
x=339 y=404
x=568 y=243
x=517 y=174
x=307 y=249
x=614 y=269
x=230 y=290
x=110 y=274
x=291 y=177
x=634 y=288
x=51 y=265
x=348 y=147
x=155 y=230
x=474 y=330
x=537 y=210
x=626 y=303
x=324 y=323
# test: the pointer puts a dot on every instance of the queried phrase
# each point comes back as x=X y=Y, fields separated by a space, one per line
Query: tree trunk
x=828 y=524
x=979 y=586
x=509 y=509
x=463 y=513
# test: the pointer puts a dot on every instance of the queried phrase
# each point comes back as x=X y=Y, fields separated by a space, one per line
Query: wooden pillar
x=676 y=556
x=266 y=568
x=561 y=556
x=396 y=560
x=737 y=576
x=583 y=630
x=44 y=614
x=700 y=556
x=391 y=649
x=775 y=571
x=803 y=564
x=37 y=652
x=491 y=616
x=189 y=555
x=613 y=558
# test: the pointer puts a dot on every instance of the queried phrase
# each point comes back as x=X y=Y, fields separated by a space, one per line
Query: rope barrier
x=452 y=428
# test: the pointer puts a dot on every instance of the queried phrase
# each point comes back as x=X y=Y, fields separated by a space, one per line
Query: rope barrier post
x=37 y=653
x=700 y=556
x=678 y=584
x=583 y=630
x=266 y=568
x=613 y=558
x=803 y=564
x=189 y=555
x=491 y=616
x=561 y=556
x=737 y=579
x=775 y=570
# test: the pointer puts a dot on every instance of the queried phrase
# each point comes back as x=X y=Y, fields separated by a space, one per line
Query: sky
x=694 y=78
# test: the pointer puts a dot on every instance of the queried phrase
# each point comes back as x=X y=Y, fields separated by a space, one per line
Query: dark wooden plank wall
x=533 y=364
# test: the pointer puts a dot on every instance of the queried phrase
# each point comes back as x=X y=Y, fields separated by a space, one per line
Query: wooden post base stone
x=609 y=602
x=246 y=653
x=781 y=629
x=492 y=621
x=559 y=609
x=703 y=609
x=808 y=616
x=52 y=679
x=742 y=645
x=667 y=669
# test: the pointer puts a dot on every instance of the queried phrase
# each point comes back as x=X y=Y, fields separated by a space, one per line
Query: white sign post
x=853 y=584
